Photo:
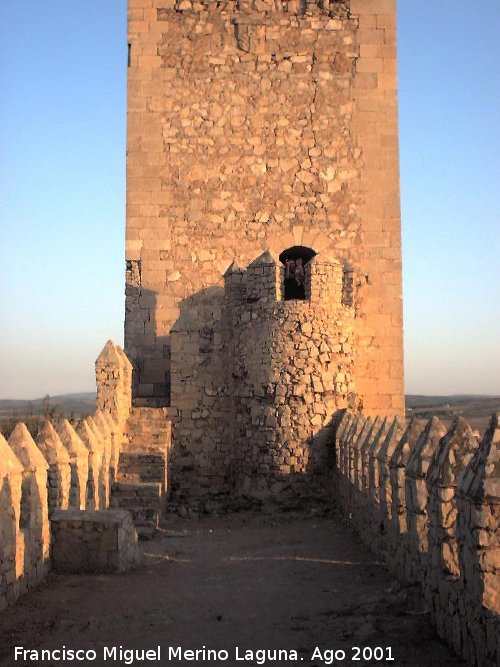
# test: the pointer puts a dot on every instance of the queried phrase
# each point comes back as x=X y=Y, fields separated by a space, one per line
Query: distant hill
x=477 y=410
x=78 y=404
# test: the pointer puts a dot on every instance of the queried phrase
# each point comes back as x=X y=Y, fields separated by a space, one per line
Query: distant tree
x=33 y=424
x=49 y=411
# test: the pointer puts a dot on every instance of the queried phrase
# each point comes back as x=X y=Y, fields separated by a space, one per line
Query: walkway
x=289 y=582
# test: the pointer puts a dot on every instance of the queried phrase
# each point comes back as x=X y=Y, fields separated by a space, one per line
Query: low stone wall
x=85 y=541
x=61 y=469
x=428 y=500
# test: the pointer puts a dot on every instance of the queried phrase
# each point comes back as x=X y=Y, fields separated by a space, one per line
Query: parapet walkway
x=292 y=582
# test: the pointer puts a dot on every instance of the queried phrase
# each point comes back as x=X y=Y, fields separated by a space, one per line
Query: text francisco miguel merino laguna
x=119 y=654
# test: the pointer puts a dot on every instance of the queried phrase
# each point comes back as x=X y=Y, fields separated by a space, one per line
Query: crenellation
x=95 y=453
x=59 y=475
x=417 y=495
x=32 y=551
x=478 y=531
x=59 y=472
x=398 y=526
x=11 y=479
x=441 y=532
x=79 y=464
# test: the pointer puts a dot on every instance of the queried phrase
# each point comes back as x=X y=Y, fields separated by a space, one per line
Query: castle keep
x=262 y=126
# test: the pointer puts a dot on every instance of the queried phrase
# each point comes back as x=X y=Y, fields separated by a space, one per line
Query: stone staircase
x=141 y=483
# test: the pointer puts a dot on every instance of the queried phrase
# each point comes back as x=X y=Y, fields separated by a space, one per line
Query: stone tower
x=259 y=126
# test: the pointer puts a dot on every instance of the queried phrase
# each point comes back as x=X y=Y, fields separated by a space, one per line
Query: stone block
x=92 y=542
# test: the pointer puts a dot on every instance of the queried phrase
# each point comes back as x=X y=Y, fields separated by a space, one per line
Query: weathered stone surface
x=9 y=463
x=32 y=552
x=86 y=541
x=79 y=463
x=478 y=532
x=398 y=526
x=417 y=495
x=87 y=434
x=451 y=457
x=256 y=390
x=59 y=472
x=448 y=548
x=114 y=382
x=11 y=549
x=258 y=127
x=480 y=481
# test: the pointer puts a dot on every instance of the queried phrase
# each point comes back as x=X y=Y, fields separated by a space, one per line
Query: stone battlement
x=427 y=499
x=63 y=469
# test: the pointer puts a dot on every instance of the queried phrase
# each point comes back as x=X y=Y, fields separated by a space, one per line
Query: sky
x=62 y=192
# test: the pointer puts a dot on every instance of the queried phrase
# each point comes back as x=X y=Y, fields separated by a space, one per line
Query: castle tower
x=259 y=125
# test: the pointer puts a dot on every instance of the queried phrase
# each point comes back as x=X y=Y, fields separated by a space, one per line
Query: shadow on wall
x=440 y=530
x=31 y=526
x=200 y=394
x=8 y=536
x=256 y=377
x=148 y=352
x=295 y=489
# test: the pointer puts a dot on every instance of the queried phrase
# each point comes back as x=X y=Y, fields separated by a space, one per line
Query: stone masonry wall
x=441 y=530
x=255 y=125
x=255 y=391
x=291 y=369
x=58 y=472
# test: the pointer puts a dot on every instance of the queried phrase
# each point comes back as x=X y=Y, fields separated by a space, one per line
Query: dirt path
x=256 y=582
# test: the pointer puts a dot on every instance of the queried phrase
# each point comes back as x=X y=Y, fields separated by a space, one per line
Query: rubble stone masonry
x=442 y=534
x=256 y=389
x=260 y=125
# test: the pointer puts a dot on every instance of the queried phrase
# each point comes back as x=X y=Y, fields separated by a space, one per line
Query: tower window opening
x=295 y=260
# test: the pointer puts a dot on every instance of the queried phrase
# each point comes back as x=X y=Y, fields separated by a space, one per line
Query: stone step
x=142 y=500
x=134 y=502
x=140 y=459
x=136 y=448
x=146 y=531
x=128 y=478
x=147 y=424
x=140 y=515
x=148 y=418
x=140 y=467
x=150 y=489
x=144 y=420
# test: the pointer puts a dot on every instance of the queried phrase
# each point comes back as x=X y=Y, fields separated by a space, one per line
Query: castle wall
x=59 y=474
x=434 y=520
x=255 y=125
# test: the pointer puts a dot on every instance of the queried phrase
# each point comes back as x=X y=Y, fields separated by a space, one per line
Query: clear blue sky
x=62 y=192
